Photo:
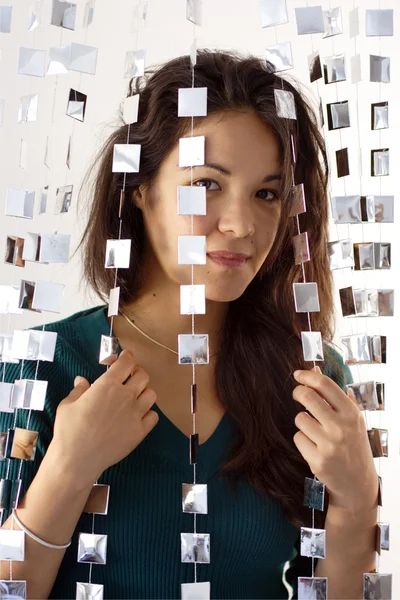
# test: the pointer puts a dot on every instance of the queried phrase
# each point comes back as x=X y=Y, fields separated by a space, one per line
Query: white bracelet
x=33 y=536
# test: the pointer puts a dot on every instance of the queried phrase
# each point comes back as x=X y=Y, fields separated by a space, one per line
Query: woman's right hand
x=98 y=425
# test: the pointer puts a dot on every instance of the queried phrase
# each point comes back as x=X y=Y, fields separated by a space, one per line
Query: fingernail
x=296 y=373
x=77 y=380
x=316 y=369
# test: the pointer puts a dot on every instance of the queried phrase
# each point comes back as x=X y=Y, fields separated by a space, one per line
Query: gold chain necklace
x=150 y=338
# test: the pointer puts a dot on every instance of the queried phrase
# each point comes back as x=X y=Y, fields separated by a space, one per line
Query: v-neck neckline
x=166 y=438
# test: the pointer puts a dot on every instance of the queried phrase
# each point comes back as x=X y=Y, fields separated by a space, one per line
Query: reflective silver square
x=341 y=254
x=273 y=12
x=382 y=537
x=191 y=151
x=108 y=350
x=356 y=349
x=97 y=502
x=135 y=63
x=194 y=11
x=83 y=59
x=6 y=391
x=14 y=251
x=298 y=200
x=48 y=296
x=379 y=22
x=6 y=341
x=338 y=115
x=194 y=498
x=314 y=66
x=378 y=439
x=44 y=197
x=301 y=248
x=89 y=591
x=15 y=589
x=63 y=14
x=193 y=349
x=26 y=291
x=380 y=115
x=193 y=299
x=347 y=301
x=382 y=252
x=76 y=106
x=54 y=248
x=342 y=162
x=92 y=548
x=24 y=444
x=29 y=394
x=313 y=542
x=306 y=297
x=284 y=103
x=126 y=158
x=195 y=547
x=192 y=250
x=32 y=344
x=334 y=68
x=131 y=109
x=113 y=302
x=309 y=19
x=314 y=493
x=355 y=68
x=28 y=109
x=196 y=591
x=5 y=19
x=364 y=256
x=192 y=102
x=3 y=450
x=383 y=207
x=31 y=247
x=9 y=300
x=312 y=345
x=379 y=68
x=280 y=56
x=192 y=199
x=346 y=209
x=354 y=23
x=365 y=394
x=19 y=203
x=332 y=22
x=378 y=348
x=58 y=60
x=380 y=162
x=63 y=199
x=118 y=254
x=12 y=545
x=32 y=62
x=313 y=588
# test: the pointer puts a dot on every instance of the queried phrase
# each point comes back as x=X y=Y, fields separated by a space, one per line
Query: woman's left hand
x=335 y=443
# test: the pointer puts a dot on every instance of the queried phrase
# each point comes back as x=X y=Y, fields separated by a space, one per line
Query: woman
x=245 y=415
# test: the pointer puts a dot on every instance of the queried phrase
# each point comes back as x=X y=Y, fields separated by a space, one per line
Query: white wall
x=226 y=24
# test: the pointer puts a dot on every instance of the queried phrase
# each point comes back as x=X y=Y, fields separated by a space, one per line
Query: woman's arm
x=50 y=509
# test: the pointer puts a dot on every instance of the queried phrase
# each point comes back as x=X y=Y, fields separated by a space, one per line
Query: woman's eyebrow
x=224 y=171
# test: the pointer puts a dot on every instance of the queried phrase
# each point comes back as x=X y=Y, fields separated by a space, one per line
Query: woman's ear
x=138 y=198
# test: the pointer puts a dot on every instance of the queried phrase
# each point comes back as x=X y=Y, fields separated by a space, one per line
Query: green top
x=250 y=537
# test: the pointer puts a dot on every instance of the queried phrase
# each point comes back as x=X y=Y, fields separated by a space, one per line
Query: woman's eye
x=274 y=195
x=204 y=180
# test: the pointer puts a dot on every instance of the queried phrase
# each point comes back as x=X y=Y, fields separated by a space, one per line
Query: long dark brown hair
x=261 y=337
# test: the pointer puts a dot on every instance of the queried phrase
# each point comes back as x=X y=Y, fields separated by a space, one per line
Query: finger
x=314 y=403
x=150 y=420
x=79 y=388
x=122 y=367
x=327 y=388
x=138 y=381
x=311 y=428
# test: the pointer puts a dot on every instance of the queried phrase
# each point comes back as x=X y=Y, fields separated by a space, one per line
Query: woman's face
x=243 y=211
